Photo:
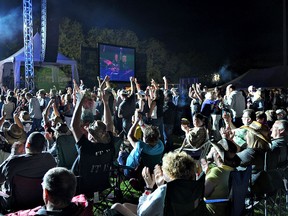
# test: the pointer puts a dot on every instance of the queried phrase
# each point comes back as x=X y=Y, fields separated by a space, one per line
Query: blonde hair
x=179 y=165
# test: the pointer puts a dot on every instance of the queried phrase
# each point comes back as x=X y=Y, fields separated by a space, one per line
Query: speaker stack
x=52 y=33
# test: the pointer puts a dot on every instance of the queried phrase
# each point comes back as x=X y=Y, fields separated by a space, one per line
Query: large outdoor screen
x=116 y=61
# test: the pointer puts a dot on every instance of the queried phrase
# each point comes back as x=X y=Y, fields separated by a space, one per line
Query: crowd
x=243 y=126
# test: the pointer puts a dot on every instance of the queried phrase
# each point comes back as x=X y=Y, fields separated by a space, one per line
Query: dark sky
x=225 y=29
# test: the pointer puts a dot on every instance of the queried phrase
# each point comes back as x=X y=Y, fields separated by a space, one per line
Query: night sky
x=224 y=30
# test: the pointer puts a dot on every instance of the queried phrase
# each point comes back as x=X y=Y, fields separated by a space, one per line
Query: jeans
x=36 y=125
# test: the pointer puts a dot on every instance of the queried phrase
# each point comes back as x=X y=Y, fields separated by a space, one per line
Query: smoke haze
x=10 y=24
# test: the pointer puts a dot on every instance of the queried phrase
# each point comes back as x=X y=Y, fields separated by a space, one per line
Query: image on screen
x=116 y=61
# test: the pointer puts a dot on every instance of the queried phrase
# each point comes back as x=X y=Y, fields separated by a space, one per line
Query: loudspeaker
x=141 y=67
x=89 y=62
x=52 y=34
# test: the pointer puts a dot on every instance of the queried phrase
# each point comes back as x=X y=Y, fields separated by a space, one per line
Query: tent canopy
x=18 y=58
x=275 y=77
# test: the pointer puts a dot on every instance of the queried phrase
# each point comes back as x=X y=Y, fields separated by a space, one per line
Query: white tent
x=10 y=67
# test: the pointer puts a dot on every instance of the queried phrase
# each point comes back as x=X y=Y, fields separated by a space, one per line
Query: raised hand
x=159 y=177
x=227 y=133
x=148 y=178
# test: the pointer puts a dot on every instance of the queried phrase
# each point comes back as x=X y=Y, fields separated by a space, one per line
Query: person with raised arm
x=127 y=107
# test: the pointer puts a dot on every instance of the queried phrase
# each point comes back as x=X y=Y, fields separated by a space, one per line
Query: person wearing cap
x=34 y=163
x=224 y=156
x=61 y=129
x=141 y=104
x=22 y=119
x=281 y=114
x=99 y=141
x=11 y=135
x=258 y=143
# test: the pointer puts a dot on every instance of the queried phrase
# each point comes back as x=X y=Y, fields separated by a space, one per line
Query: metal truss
x=43 y=29
x=28 y=44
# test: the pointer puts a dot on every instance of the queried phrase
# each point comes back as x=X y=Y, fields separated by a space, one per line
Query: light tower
x=28 y=44
x=28 y=39
x=43 y=28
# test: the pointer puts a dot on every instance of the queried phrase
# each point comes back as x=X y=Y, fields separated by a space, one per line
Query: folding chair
x=276 y=184
x=200 y=152
x=121 y=183
x=185 y=197
x=93 y=176
x=129 y=186
x=66 y=151
x=238 y=184
x=146 y=160
x=26 y=192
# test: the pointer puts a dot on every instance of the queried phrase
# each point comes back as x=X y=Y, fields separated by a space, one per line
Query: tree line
x=160 y=60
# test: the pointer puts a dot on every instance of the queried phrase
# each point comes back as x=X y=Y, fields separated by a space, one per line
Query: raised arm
x=2 y=119
x=16 y=118
x=75 y=86
x=149 y=93
x=152 y=107
x=76 y=119
x=190 y=92
x=103 y=83
x=154 y=84
x=132 y=86
x=99 y=81
x=131 y=132
x=107 y=112
x=198 y=92
x=107 y=83
x=165 y=83
x=55 y=110
x=137 y=85
x=46 y=112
